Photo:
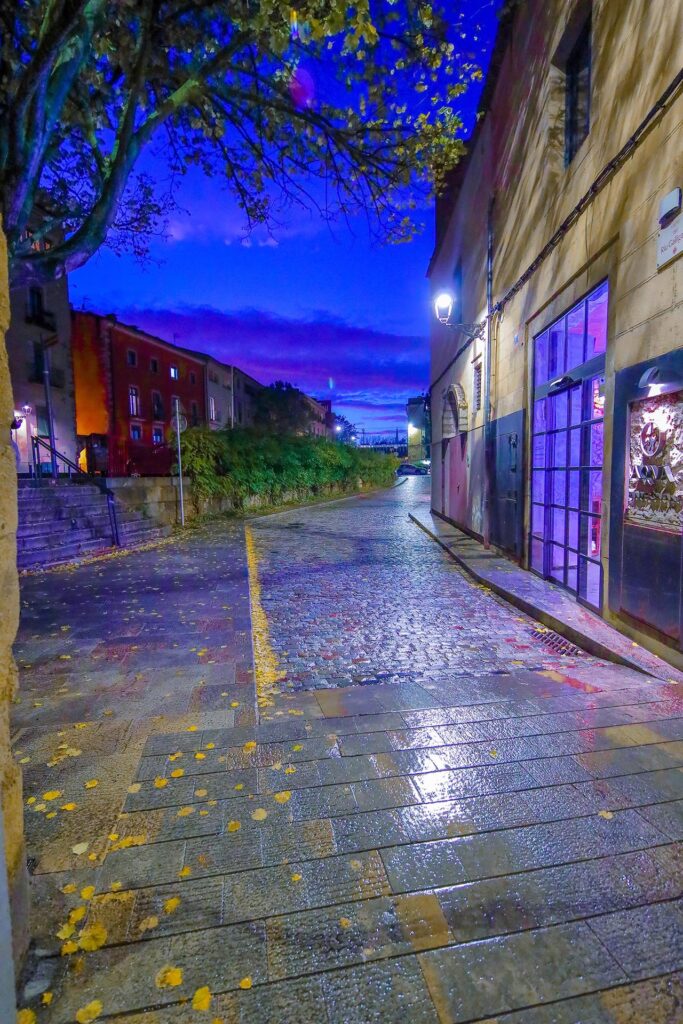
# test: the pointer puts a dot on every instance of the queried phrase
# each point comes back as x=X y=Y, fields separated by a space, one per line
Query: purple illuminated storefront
x=567 y=448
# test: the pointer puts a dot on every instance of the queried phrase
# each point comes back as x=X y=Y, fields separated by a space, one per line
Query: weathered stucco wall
x=10 y=775
x=518 y=157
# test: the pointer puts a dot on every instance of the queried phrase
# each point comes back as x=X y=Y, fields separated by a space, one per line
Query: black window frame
x=133 y=362
x=579 y=60
x=154 y=365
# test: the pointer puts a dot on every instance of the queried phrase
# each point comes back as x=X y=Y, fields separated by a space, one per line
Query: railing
x=74 y=471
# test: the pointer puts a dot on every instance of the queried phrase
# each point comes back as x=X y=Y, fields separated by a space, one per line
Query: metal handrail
x=73 y=468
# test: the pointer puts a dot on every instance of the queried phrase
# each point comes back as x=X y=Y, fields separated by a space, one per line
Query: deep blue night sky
x=320 y=306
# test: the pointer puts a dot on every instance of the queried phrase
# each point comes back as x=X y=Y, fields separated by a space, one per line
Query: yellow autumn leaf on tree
x=92 y=937
x=201 y=999
x=169 y=977
x=87 y=1014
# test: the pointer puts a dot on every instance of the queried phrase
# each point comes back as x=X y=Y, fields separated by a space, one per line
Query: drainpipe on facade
x=232 y=397
x=487 y=383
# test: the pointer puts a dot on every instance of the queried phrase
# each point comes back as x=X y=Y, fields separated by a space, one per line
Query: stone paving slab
x=475 y=830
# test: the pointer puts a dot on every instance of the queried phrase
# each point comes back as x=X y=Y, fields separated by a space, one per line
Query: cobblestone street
x=409 y=808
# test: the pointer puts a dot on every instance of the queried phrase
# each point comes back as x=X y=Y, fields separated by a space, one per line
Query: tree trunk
x=10 y=774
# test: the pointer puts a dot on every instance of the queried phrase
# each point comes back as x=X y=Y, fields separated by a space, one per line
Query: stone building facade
x=41 y=316
x=558 y=431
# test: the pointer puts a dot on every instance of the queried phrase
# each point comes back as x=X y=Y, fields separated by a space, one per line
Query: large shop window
x=567 y=445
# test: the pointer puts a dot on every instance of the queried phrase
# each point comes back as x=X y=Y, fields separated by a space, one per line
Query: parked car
x=408 y=469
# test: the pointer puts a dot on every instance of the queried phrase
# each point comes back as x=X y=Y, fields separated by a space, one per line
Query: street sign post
x=180 y=425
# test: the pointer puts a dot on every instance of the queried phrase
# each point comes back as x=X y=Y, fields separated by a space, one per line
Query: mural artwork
x=655 y=491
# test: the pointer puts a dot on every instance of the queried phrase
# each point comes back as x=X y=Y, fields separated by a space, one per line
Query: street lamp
x=443 y=307
x=338 y=428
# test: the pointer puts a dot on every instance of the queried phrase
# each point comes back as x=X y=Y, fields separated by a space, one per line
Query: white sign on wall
x=670 y=241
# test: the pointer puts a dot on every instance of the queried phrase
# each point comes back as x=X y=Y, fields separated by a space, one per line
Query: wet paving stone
x=645 y=941
x=519 y=970
x=393 y=990
x=534 y=899
x=434 y=820
x=449 y=861
x=127 y=977
x=656 y=1001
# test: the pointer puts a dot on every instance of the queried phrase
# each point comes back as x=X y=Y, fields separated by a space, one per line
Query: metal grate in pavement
x=554 y=642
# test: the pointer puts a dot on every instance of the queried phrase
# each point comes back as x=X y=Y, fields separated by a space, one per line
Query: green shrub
x=240 y=464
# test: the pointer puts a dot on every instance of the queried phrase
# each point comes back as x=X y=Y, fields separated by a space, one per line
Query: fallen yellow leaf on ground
x=26 y=1017
x=92 y=937
x=283 y=797
x=47 y=998
x=249 y=746
x=76 y=915
x=148 y=923
x=185 y=872
x=88 y=892
x=91 y=783
x=160 y=782
x=87 y=1014
x=169 y=977
x=259 y=814
x=52 y=794
x=296 y=877
x=135 y=787
x=171 y=904
x=201 y=999
x=68 y=807
x=69 y=947
x=66 y=931
x=69 y=887
x=606 y=814
x=177 y=773
x=245 y=982
x=200 y=792
x=184 y=812
x=234 y=826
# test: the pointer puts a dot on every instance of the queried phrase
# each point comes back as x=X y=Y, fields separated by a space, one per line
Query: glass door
x=567 y=452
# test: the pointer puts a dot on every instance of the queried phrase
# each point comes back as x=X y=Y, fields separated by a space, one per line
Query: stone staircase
x=64 y=521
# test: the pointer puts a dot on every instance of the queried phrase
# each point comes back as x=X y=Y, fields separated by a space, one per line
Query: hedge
x=239 y=464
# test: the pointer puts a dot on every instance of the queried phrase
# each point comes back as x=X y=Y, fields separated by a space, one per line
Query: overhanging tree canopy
x=356 y=95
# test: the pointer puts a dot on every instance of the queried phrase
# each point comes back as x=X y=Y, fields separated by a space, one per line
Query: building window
x=194 y=412
x=132 y=357
x=577 y=94
x=174 y=373
x=135 y=432
x=193 y=378
x=133 y=401
x=157 y=435
x=476 y=386
x=157 y=406
x=35 y=303
x=154 y=365
x=456 y=312
x=212 y=409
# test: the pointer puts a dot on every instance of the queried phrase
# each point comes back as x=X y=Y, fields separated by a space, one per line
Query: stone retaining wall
x=158 y=497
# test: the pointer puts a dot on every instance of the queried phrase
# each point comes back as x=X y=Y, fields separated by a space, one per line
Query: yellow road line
x=266 y=666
